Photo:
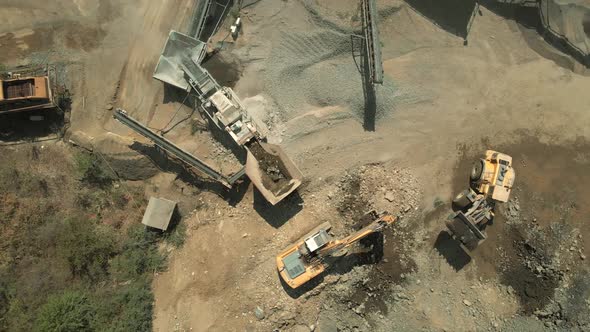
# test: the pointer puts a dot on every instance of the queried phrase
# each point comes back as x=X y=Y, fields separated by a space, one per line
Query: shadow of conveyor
x=368 y=93
x=454 y=16
x=359 y=51
x=168 y=163
x=530 y=21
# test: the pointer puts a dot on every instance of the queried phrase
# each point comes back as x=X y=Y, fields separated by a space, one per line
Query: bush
x=93 y=170
x=128 y=309
x=23 y=183
x=177 y=235
x=69 y=311
x=20 y=320
x=60 y=270
x=86 y=247
x=98 y=200
x=234 y=12
x=140 y=254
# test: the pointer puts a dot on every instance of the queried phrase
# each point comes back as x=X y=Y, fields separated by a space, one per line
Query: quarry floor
x=441 y=105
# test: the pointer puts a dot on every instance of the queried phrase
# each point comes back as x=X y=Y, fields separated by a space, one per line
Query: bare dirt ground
x=442 y=105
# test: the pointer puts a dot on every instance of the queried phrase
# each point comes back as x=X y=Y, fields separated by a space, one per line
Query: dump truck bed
x=25 y=94
x=271 y=171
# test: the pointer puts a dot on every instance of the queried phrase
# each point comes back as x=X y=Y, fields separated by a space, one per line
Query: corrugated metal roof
x=158 y=213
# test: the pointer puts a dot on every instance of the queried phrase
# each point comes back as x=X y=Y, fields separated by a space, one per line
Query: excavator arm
x=374 y=227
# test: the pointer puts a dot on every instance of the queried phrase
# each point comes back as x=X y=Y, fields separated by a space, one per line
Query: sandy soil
x=441 y=105
x=449 y=103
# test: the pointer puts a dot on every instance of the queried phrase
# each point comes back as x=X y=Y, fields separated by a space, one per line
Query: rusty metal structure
x=372 y=43
x=19 y=94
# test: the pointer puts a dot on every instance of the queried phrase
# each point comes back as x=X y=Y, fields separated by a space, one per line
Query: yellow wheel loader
x=306 y=259
x=491 y=181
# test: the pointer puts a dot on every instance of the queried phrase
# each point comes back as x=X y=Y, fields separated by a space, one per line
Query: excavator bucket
x=271 y=171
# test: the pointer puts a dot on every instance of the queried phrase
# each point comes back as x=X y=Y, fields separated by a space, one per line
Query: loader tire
x=461 y=202
x=476 y=170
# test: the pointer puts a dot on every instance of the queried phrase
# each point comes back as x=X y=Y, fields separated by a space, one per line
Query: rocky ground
x=442 y=104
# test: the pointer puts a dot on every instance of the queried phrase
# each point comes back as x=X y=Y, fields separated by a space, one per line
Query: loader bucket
x=271 y=171
x=464 y=230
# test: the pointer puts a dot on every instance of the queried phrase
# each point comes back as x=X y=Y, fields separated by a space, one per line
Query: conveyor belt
x=372 y=41
x=199 y=18
x=170 y=147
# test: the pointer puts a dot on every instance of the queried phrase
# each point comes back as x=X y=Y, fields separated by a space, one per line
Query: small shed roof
x=158 y=213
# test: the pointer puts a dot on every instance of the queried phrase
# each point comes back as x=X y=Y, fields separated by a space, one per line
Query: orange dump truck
x=25 y=94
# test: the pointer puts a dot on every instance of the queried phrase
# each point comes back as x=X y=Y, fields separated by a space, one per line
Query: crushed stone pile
x=323 y=45
x=380 y=188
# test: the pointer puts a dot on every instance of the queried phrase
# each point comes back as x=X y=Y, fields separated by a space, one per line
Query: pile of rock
x=381 y=188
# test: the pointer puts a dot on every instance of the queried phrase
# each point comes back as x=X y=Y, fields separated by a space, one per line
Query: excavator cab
x=301 y=262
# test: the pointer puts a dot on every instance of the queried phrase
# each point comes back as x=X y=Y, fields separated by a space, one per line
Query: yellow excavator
x=306 y=259
x=491 y=181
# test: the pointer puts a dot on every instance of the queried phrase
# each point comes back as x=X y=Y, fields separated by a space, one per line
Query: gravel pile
x=313 y=66
x=380 y=188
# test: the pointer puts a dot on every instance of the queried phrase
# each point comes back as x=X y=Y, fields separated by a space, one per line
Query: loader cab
x=493 y=176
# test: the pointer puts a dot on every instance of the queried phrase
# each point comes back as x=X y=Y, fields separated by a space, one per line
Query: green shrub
x=61 y=270
x=177 y=235
x=126 y=309
x=70 y=311
x=20 y=320
x=438 y=202
x=93 y=170
x=22 y=182
x=234 y=12
x=140 y=254
x=86 y=247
